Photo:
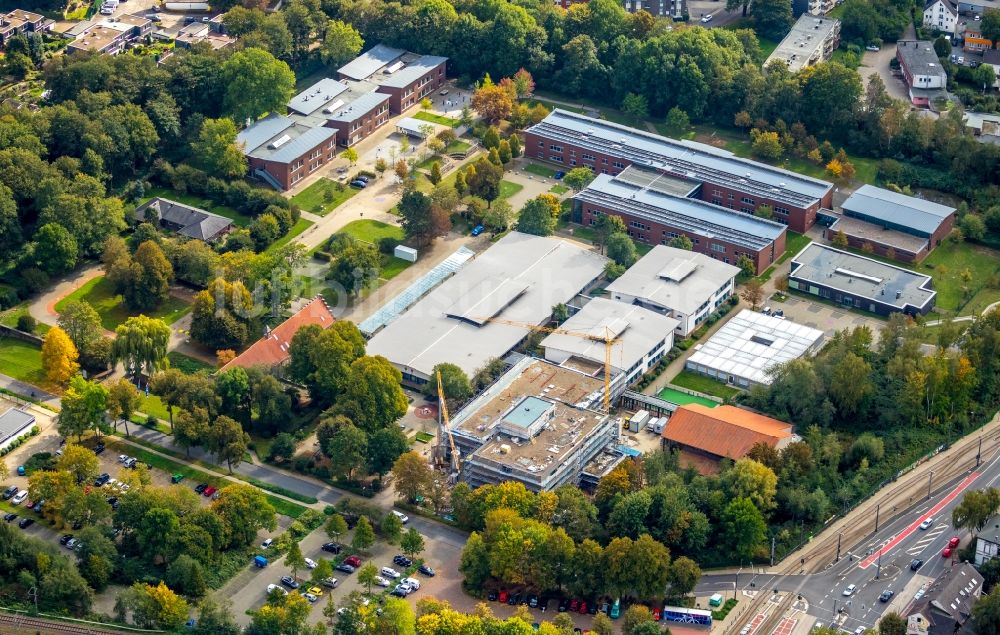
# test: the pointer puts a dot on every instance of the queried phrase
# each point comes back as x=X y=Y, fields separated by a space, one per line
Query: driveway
x=824 y=317
x=877 y=63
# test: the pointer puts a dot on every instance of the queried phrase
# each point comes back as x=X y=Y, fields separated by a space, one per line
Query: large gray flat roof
x=805 y=43
x=13 y=423
x=907 y=211
x=919 y=57
x=358 y=107
x=697 y=217
x=695 y=161
x=864 y=277
x=552 y=272
x=414 y=71
x=323 y=92
x=280 y=139
x=369 y=62
x=675 y=279
x=262 y=130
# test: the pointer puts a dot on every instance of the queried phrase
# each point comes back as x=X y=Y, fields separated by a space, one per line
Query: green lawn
x=538 y=169
x=551 y=106
x=707 y=385
x=241 y=220
x=794 y=243
x=392 y=267
x=11 y=315
x=427 y=163
x=946 y=264
x=767 y=47
x=187 y=365
x=457 y=147
x=153 y=405
x=22 y=361
x=314 y=198
x=111 y=308
x=508 y=189
x=423 y=115
x=372 y=231
x=682 y=398
x=559 y=189
x=300 y=226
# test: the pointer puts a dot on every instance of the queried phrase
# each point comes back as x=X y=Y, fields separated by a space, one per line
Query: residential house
x=812 y=40
x=922 y=71
x=112 y=35
x=19 y=22
x=941 y=15
x=271 y=351
x=946 y=606
x=185 y=220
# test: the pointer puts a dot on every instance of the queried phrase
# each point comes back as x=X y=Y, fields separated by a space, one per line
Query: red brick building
x=405 y=77
x=716 y=176
x=656 y=211
x=282 y=152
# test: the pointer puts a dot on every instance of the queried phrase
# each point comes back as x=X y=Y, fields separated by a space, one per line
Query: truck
x=260 y=562
x=638 y=421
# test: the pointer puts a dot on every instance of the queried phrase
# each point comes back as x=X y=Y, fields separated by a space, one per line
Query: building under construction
x=539 y=424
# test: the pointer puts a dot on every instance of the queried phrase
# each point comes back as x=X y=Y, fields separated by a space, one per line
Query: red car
x=503 y=597
x=953 y=542
x=209 y=491
x=354 y=561
x=583 y=607
x=657 y=613
x=574 y=605
x=947 y=552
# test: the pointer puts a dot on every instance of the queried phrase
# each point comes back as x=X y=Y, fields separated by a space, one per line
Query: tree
x=191 y=429
x=243 y=510
x=984 y=76
x=578 y=178
x=336 y=526
x=59 y=356
x=684 y=575
x=228 y=441
x=391 y=528
x=454 y=382
x=986 y=612
x=412 y=543
x=752 y=480
x=83 y=407
x=342 y=43
x=483 y=180
x=435 y=175
x=607 y=225
x=79 y=461
x=635 y=106
x=772 y=18
x=294 y=559
x=56 y=249
x=747 y=266
x=384 y=447
x=621 y=250
x=347 y=448
x=81 y=323
x=367 y=574
x=411 y=474
x=766 y=144
x=373 y=398
x=840 y=240
x=492 y=102
x=416 y=217
x=356 y=267
x=892 y=623
x=682 y=242
x=255 y=83
x=633 y=616
x=364 y=535
x=141 y=345
x=990 y=25
x=499 y=215
x=972 y=225
x=322 y=571
x=123 y=400
x=536 y=218
x=678 y=121
x=217 y=151
x=156 y=606
x=282 y=448
x=753 y=293
x=491 y=138
x=744 y=527
x=351 y=155
x=976 y=508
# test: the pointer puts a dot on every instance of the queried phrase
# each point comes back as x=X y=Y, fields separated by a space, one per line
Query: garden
x=100 y=295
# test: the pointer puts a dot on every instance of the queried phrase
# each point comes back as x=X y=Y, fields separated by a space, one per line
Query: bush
x=367 y=173
x=324 y=256
x=152 y=421
x=329 y=510
x=8 y=296
x=26 y=323
x=34 y=279
x=388 y=245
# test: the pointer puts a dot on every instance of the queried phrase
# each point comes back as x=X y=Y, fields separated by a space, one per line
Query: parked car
x=271 y=588
x=354 y=561
x=267 y=543
x=9 y=517
x=574 y=605
x=346 y=568
x=20 y=470
x=402 y=561
x=558 y=175
x=492 y=596
x=389 y=572
x=9 y=492
x=289 y=582
x=502 y=598
x=200 y=487
x=362 y=178
x=97 y=448
x=657 y=613
x=885 y=596
x=563 y=605
x=331 y=547
x=19 y=497
x=928 y=523
x=514 y=599
x=616 y=609
x=71 y=543
x=413 y=583
x=403 y=518
x=310 y=563
x=315 y=590
x=359 y=184
x=330 y=583
x=427 y=570
x=953 y=542
x=380 y=581
x=478 y=229
x=583 y=607
x=26 y=522
x=401 y=591
x=706 y=18
x=102 y=479
x=947 y=551
x=915 y=564
x=310 y=597
x=872 y=47
x=849 y=591
x=65 y=538
x=177 y=478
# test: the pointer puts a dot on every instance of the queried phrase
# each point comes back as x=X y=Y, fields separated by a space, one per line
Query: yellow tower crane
x=607 y=338
x=447 y=424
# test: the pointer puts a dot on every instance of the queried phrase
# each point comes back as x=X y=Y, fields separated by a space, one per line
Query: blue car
x=359 y=184
x=478 y=229
x=558 y=175
x=20 y=470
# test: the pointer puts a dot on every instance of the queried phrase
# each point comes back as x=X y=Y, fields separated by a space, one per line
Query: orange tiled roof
x=273 y=349
x=725 y=431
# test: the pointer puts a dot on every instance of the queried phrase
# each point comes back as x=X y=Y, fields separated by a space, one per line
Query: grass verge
x=323 y=196
x=509 y=188
x=707 y=385
x=99 y=294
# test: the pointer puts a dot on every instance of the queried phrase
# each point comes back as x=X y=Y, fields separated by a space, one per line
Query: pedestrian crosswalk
x=918 y=547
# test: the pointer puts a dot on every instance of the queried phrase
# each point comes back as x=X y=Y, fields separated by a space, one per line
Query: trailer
x=638 y=421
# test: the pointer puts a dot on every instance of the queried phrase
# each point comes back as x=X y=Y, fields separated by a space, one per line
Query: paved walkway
x=28 y=391
x=43 y=308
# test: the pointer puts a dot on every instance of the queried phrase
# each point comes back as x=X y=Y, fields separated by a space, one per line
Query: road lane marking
x=914 y=526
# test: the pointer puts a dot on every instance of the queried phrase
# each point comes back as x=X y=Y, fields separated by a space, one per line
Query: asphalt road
x=880 y=562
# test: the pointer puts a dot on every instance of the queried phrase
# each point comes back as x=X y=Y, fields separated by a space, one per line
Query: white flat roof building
x=641 y=338
x=749 y=345
x=812 y=40
x=520 y=278
x=13 y=424
x=681 y=284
